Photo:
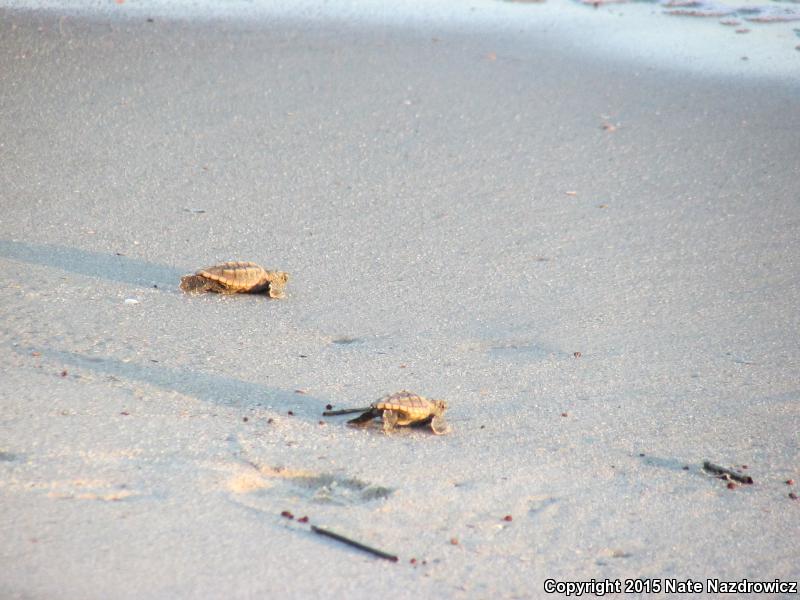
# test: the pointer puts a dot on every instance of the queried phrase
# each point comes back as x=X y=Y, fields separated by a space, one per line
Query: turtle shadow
x=219 y=389
x=113 y=267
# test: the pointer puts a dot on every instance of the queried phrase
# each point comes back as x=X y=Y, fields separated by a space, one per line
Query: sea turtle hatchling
x=236 y=277
x=400 y=408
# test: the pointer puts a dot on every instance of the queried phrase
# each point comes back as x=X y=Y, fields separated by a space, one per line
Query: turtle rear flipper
x=439 y=425
x=198 y=284
x=194 y=283
x=364 y=418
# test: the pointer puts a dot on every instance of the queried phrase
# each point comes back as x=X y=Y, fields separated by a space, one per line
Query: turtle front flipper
x=277 y=283
x=389 y=420
x=364 y=418
x=439 y=425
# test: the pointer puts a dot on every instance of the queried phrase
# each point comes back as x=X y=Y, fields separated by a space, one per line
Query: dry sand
x=418 y=185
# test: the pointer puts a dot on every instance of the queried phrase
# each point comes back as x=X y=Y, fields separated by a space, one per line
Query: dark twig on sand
x=353 y=543
x=727 y=473
x=344 y=411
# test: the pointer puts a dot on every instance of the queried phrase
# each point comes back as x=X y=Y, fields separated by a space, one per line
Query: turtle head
x=441 y=406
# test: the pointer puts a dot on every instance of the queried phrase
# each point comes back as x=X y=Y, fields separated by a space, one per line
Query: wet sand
x=461 y=211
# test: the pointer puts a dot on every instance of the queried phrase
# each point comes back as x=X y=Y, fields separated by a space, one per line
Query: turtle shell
x=236 y=277
x=409 y=407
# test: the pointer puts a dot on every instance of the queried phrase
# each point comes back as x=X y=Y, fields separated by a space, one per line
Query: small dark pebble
x=454 y=541
x=303 y=355
x=790 y=482
x=64 y=373
x=564 y=414
x=744 y=466
x=413 y=561
x=641 y=453
x=483 y=426
x=125 y=413
x=270 y=420
x=508 y=518
x=155 y=286
x=286 y=514
x=321 y=422
x=732 y=486
x=577 y=354
x=150 y=20
x=245 y=419
x=794 y=496
x=328 y=406
x=302 y=520
x=290 y=413
x=685 y=467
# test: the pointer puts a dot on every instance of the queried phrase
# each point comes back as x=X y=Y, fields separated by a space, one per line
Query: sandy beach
x=594 y=260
